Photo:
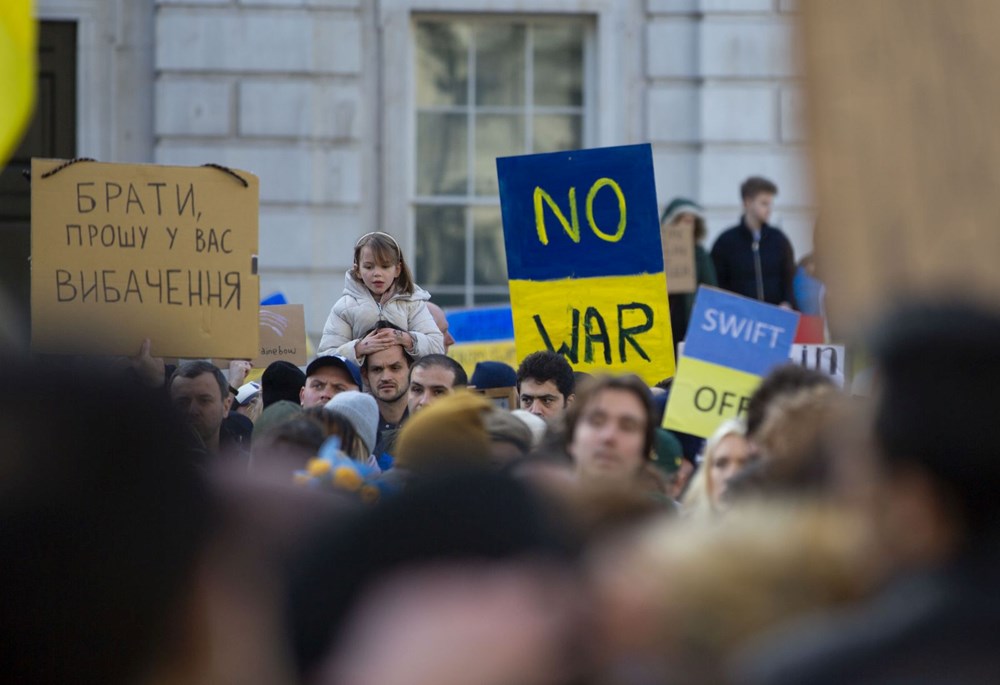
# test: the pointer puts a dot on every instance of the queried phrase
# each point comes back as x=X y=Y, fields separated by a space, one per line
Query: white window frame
x=613 y=91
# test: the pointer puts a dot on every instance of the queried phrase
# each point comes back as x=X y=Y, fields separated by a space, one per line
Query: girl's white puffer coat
x=357 y=312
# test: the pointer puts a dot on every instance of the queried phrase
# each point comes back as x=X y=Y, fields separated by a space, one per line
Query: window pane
x=492 y=298
x=490 y=267
x=558 y=65
x=555 y=132
x=441 y=158
x=440 y=246
x=447 y=299
x=442 y=63
x=497 y=135
x=500 y=64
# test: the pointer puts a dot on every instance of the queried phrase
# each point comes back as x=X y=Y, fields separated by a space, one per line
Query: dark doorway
x=52 y=133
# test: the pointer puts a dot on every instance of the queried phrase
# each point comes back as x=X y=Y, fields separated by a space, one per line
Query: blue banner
x=735 y=331
x=580 y=214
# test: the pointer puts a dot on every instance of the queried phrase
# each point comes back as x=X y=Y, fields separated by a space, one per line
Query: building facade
x=363 y=115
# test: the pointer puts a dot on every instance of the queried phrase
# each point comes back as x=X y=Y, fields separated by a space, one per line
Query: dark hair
x=103 y=514
x=386 y=252
x=382 y=323
x=630 y=383
x=938 y=364
x=786 y=379
x=547 y=366
x=461 y=379
x=281 y=380
x=756 y=185
x=194 y=369
x=456 y=517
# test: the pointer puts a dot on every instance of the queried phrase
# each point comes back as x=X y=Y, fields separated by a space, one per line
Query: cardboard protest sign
x=282 y=335
x=830 y=359
x=121 y=252
x=678 y=257
x=902 y=99
x=732 y=342
x=584 y=260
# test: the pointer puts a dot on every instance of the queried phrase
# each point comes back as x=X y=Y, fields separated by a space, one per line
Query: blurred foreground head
x=457 y=520
x=102 y=517
x=937 y=406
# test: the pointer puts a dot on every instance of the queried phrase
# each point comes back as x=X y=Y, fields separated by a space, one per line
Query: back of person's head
x=756 y=185
x=444 y=362
x=459 y=517
x=792 y=440
x=103 y=513
x=936 y=408
x=449 y=433
x=281 y=380
x=547 y=366
x=492 y=374
x=786 y=379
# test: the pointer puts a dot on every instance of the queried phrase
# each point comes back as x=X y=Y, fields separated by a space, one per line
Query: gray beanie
x=361 y=410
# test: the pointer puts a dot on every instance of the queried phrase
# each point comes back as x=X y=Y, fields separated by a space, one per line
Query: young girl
x=379 y=288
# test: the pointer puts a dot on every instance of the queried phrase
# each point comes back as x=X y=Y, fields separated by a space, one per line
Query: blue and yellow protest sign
x=584 y=260
x=732 y=342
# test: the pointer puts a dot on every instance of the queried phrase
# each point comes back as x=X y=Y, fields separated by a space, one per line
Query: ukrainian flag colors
x=584 y=261
x=18 y=37
x=732 y=342
x=582 y=237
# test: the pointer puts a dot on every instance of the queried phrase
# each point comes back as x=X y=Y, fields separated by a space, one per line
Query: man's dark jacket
x=736 y=271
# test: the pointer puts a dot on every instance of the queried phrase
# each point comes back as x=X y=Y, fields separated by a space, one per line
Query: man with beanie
x=610 y=432
x=281 y=380
x=326 y=376
x=753 y=258
x=361 y=411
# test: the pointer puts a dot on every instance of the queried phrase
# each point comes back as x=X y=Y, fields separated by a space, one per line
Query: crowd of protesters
x=383 y=517
x=406 y=525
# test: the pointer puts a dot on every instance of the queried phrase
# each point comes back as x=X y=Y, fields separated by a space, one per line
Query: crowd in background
x=399 y=522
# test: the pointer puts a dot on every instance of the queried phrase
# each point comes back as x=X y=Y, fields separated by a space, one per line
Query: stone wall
x=275 y=87
x=724 y=102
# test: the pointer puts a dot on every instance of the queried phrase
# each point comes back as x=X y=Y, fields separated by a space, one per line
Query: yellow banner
x=18 y=37
x=470 y=354
x=603 y=324
x=703 y=395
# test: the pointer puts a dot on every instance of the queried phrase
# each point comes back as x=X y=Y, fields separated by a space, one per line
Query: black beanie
x=281 y=380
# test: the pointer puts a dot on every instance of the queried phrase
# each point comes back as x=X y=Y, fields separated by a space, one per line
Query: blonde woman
x=726 y=453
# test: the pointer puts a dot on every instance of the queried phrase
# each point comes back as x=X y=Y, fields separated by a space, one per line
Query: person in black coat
x=753 y=258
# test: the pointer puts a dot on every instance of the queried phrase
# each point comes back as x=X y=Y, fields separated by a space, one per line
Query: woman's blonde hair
x=698 y=498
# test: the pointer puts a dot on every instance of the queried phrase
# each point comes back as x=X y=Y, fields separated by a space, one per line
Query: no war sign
x=581 y=232
x=732 y=342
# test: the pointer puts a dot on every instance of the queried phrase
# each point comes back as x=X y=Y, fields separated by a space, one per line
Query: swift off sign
x=732 y=342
